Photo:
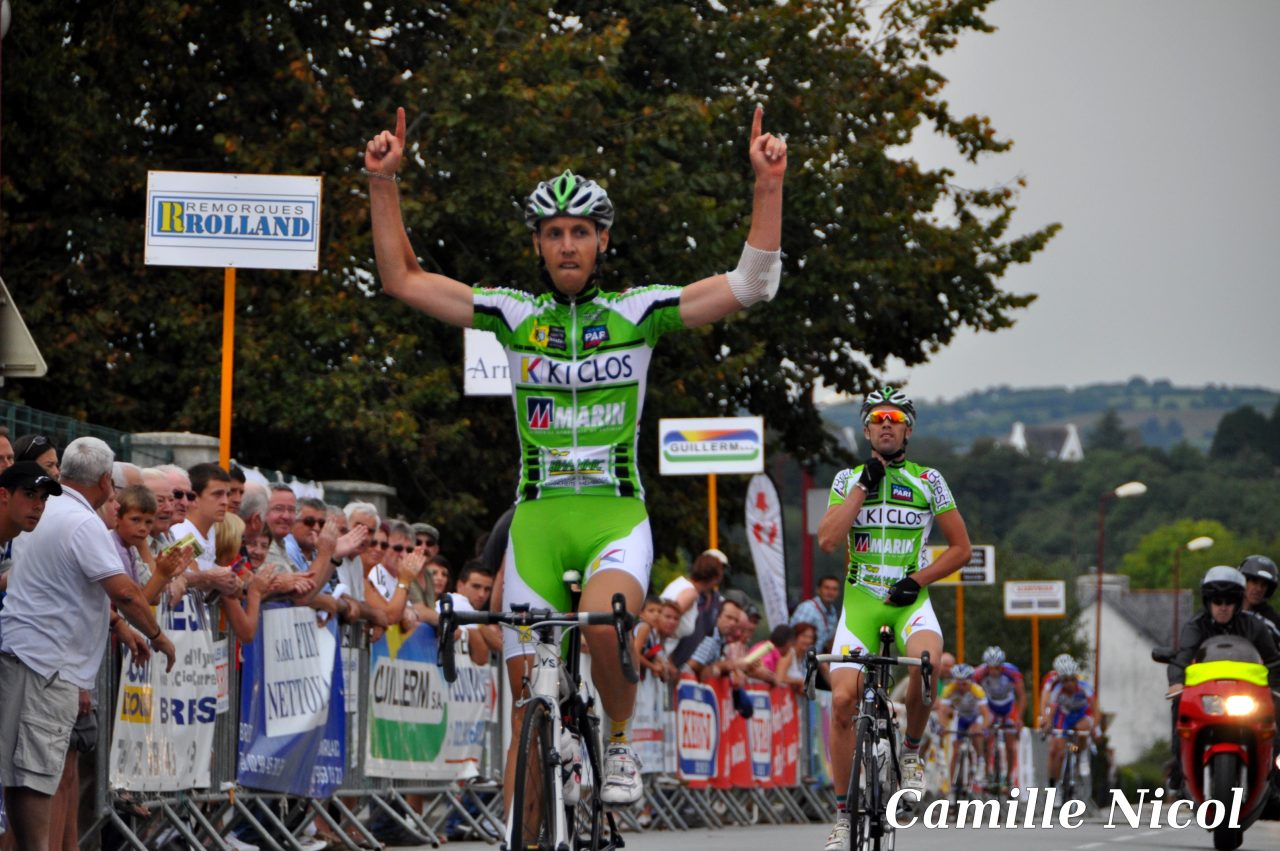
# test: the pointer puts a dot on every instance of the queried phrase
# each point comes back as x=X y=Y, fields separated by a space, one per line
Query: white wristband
x=757 y=276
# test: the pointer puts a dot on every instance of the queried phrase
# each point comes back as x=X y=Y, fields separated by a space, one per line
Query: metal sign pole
x=228 y=361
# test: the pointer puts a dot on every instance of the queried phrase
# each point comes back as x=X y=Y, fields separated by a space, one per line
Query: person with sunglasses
x=180 y=490
x=1222 y=593
x=882 y=511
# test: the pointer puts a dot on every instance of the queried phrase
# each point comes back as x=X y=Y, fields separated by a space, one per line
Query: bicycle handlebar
x=618 y=617
x=922 y=662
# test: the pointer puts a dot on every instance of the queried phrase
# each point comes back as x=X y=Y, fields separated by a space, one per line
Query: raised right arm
x=398 y=268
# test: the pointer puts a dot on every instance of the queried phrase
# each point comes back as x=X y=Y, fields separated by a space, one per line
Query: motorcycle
x=1226 y=723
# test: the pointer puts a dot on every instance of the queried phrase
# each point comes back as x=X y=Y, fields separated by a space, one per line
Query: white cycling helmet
x=568 y=195
x=962 y=672
x=1065 y=666
x=993 y=657
x=889 y=395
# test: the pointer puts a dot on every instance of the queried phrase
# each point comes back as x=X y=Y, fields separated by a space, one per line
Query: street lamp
x=1194 y=545
x=1125 y=491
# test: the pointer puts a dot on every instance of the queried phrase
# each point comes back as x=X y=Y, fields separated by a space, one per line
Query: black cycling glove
x=903 y=592
x=872 y=474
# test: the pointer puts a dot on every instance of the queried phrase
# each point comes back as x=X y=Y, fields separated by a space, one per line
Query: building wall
x=1132 y=685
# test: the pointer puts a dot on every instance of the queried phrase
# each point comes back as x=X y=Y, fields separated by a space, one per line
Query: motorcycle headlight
x=1212 y=704
x=1241 y=704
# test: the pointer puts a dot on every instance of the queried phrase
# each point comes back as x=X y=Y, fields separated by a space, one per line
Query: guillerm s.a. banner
x=421 y=727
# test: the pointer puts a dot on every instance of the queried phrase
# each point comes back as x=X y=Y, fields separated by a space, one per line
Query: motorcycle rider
x=1222 y=592
x=1260 y=579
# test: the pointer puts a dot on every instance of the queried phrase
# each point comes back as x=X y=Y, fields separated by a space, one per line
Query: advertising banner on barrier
x=819 y=744
x=292 y=724
x=647 y=731
x=786 y=737
x=760 y=734
x=697 y=730
x=164 y=721
x=421 y=727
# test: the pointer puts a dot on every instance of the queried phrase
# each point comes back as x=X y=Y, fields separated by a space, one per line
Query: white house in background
x=1133 y=622
x=1053 y=441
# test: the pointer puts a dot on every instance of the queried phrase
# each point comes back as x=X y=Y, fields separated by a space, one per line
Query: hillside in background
x=1162 y=414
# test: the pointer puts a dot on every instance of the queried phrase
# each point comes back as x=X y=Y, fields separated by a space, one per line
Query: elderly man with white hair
x=53 y=631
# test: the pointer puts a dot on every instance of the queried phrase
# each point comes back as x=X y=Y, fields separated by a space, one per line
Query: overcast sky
x=1151 y=130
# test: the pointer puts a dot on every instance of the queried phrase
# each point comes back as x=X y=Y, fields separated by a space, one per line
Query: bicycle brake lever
x=811 y=675
x=926 y=679
x=621 y=626
x=445 y=650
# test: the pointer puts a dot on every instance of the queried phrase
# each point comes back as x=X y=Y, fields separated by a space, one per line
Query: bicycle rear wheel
x=533 y=816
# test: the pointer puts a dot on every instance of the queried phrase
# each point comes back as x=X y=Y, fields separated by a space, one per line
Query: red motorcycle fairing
x=1203 y=734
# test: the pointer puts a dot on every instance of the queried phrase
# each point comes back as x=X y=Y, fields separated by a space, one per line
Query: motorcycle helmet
x=993 y=657
x=1222 y=583
x=1263 y=568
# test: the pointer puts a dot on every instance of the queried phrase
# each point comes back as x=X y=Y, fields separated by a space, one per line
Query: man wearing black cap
x=24 y=489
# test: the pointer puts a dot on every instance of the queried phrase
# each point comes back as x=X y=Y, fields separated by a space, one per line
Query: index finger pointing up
x=756 y=123
x=400 y=125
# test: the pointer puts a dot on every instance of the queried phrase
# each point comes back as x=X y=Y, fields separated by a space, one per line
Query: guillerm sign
x=246 y=221
x=695 y=447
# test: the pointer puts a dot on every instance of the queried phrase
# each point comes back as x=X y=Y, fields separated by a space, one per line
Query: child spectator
x=242 y=611
x=647 y=638
x=132 y=533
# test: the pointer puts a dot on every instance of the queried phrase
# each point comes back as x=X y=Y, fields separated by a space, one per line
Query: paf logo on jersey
x=594 y=335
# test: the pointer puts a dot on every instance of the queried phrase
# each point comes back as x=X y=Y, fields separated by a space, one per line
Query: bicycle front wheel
x=587 y=819
x=533 y=815
x=864 y=789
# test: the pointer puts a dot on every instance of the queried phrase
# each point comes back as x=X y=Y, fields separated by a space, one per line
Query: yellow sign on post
x=981 y=570
x=249 y=221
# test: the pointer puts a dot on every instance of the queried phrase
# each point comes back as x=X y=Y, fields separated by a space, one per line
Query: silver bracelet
x=377 y=175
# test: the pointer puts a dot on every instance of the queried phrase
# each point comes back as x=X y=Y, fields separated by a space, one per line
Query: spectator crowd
x=89 y=545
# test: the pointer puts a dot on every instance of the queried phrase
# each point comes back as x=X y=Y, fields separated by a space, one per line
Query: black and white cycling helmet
x=1065 y=666
x=1222 y=582
x=1263 y=568
x=961 y=671
x=889 y=395
x=993 y=657
x=568 y=195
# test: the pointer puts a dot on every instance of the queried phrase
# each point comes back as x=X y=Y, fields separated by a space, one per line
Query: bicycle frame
x=555 y=684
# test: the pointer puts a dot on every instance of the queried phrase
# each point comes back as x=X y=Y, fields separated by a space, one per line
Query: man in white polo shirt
x=53 y=630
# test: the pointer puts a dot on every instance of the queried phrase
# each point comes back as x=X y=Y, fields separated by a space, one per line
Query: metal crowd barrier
x=201 y=818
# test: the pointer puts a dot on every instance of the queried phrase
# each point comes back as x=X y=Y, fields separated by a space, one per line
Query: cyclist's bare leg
x=846 y=688
x=1055 y=757
x=917 y=712
x=616 y=694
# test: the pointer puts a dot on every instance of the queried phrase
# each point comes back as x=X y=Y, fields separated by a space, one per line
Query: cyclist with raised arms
x=883 y=511
x=578 y=358
x=1007 y=699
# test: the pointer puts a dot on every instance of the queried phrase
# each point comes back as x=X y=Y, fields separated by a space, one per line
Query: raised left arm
x=756 y=276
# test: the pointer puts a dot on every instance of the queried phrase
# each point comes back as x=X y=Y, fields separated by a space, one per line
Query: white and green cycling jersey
x=887 y=541
x=578 y=370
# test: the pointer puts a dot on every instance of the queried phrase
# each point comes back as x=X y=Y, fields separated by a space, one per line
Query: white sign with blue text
x=244 y=221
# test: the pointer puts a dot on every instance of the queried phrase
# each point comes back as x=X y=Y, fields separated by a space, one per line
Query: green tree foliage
x=883 y=257
x=1246 y=431
x=1150 y=563
x=1109 y=433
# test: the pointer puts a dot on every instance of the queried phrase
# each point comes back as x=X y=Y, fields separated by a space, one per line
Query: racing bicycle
x=1072 y=777
x=555 y=802
x=875 y=775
